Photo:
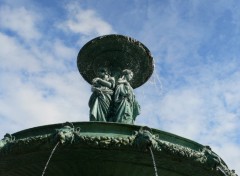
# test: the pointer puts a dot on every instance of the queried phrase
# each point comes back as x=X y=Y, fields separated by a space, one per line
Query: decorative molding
x=141 y=140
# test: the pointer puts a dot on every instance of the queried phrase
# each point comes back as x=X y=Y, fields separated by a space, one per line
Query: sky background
x=194 y=91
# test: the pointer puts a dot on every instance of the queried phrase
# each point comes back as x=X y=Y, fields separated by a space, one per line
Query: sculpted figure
x=126 y=107
x=100 y=100
x=213 y=160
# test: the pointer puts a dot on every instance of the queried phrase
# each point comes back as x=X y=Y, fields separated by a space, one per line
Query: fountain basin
x=110 y=149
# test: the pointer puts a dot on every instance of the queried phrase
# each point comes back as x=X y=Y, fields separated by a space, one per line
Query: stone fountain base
x=109 y=149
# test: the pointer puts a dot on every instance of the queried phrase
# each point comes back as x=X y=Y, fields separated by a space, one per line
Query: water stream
x=154 y=163
x=44 y=170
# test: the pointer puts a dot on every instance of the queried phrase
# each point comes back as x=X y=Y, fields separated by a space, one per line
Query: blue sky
x=194 y=91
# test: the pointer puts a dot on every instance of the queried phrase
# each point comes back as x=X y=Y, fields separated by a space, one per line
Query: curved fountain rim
x=114 y=137
x=112 y=124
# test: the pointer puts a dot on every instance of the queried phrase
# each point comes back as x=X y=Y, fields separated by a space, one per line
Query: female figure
x=100 y=100
x=126 y=107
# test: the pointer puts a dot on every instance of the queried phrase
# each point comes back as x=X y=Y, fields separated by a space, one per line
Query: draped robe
x=100 y=102
x=126 y=107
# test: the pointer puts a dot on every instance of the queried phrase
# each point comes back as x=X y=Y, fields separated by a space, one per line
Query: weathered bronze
x=115 y=52
x=110 y=149
x=114 y=64
x=126 y=108
x=101 y=99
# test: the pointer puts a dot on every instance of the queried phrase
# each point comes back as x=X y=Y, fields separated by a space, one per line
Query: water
x=44 y=170
x=154 y=163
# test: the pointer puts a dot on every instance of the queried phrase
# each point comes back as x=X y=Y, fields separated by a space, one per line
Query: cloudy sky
x=194 y=91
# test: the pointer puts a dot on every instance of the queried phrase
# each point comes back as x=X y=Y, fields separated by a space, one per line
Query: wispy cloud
x=40 y=83
x=19 y=20
x=85 y=22
x=14 y=56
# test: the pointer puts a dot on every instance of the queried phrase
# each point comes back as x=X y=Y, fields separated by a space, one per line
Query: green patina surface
x=97 y=148
x=115 y=52
x=114 y=65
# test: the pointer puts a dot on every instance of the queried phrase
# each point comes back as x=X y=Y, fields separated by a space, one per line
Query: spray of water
x=153 y=86
x=44 y=170
x=154 y=163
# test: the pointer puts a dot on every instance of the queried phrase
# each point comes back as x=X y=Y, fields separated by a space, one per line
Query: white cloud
x=13 y=56
x=85 y=22
x=37 y=87
x=52 y=98
x=62 y=51
x=19 y=20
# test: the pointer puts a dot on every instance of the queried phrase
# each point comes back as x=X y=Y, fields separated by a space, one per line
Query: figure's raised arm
x=105 y=83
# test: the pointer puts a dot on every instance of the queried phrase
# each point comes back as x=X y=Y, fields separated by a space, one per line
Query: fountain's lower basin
x=109 y=149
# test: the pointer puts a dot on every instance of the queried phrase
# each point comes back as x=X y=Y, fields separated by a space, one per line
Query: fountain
x=110 y=144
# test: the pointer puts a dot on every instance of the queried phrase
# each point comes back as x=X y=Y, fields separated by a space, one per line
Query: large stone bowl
x=109 y=149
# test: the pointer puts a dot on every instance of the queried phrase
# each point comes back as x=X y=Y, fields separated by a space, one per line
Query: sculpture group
x=113 y=100
x=109 y=64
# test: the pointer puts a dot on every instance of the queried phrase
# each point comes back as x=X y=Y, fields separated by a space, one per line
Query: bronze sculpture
x=100 y=100
x=126 y=108
x=110 y=104
x=122 y=59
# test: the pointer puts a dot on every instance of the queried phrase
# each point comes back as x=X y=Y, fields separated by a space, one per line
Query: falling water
x=44 y=170
x=154 y=163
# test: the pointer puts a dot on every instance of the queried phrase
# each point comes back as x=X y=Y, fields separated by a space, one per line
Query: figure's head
x=128 y=74
x=102 y=71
